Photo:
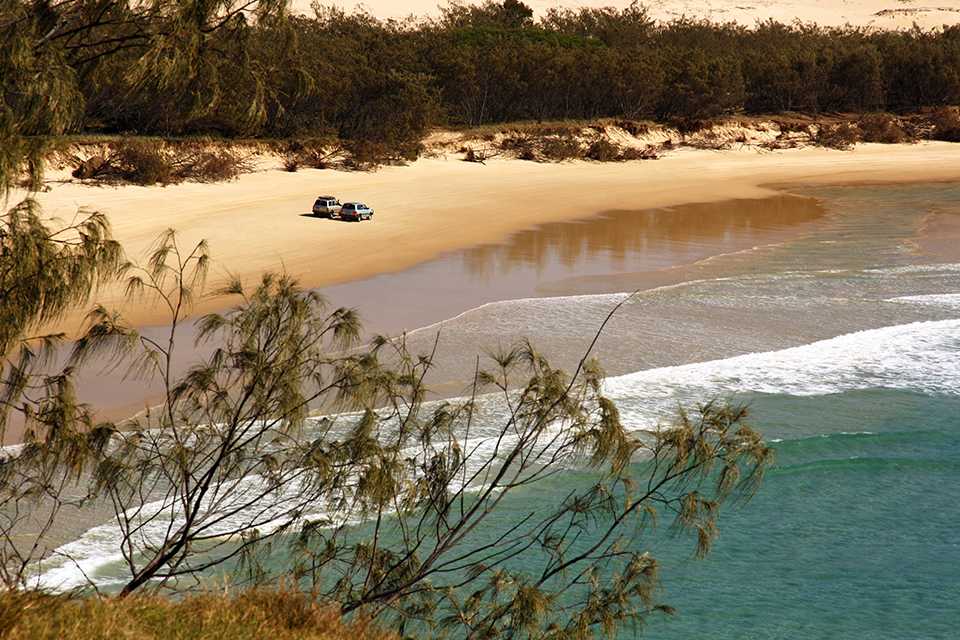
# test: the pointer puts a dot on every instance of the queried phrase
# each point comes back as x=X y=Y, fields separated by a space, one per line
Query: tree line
x=249 y=70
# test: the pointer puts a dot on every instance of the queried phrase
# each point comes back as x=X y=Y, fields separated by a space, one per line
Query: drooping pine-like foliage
x=45 y=269
x=63 y=61
x=290 y=455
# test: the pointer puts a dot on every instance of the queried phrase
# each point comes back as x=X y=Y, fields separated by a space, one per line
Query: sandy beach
x=262 y=221
x=439 y=205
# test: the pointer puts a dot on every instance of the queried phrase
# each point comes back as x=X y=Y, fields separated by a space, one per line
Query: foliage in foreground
x=384 y=505
x=249 y=615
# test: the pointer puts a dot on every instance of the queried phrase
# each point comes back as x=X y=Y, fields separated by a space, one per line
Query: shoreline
x=261 y=221
x=399 y=239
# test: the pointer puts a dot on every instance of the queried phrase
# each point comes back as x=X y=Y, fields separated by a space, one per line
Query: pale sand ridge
x=881 y=14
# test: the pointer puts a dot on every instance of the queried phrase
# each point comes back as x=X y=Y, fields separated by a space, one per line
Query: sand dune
x=883 y=14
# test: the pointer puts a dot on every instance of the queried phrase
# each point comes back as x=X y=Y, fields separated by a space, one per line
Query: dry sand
x=881 y=14
x=261 y=221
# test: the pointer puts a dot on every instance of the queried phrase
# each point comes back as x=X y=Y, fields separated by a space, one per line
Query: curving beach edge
x=262 y=221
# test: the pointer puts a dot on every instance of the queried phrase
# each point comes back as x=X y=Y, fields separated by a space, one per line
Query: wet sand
x=613 y=252
x=940 y=235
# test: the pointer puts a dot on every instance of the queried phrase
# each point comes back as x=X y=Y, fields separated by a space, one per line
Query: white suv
x=356 y=211
x=326 y=207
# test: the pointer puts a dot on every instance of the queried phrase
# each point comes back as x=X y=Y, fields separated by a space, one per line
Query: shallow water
x=855 y=534
x=841 y=335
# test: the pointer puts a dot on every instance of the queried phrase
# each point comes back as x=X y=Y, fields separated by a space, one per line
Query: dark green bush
x=946 y=125
x=882 y=127
x=143 y=162
x=635 y=129
x=559 y=148
x=603 y=150
x=148 y=162
x=842 y=136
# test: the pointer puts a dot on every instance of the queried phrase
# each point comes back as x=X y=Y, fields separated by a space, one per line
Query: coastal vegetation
x=292 y=455
x=367 y=91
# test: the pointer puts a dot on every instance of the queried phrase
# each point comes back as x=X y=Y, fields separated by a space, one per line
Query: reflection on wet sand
x=611 y=252
x=940 y=235
x=852 y=268
x=644 y=240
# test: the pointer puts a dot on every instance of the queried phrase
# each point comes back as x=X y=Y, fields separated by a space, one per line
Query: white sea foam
x=94 y=557
x=943 y=301
x=82 y=561
x=920 y=357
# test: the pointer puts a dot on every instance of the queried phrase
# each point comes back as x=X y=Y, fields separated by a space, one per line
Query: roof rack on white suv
x=326 y=207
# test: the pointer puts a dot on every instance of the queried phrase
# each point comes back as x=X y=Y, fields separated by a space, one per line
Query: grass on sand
x=254 y=615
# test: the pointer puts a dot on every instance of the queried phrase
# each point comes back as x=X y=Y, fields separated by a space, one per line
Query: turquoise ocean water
x=845 y=341
x=856 y=533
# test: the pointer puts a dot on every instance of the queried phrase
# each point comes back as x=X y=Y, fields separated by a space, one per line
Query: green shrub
x=842 y=136
x=686 y=126
x=603 y=150
x=212 y=165
x=946 y=124
x=558 y=148
x=882 y=127
x=520 y=145
x=636 y=129
x=633 y=153
x=147 y=162
x=143 y=162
